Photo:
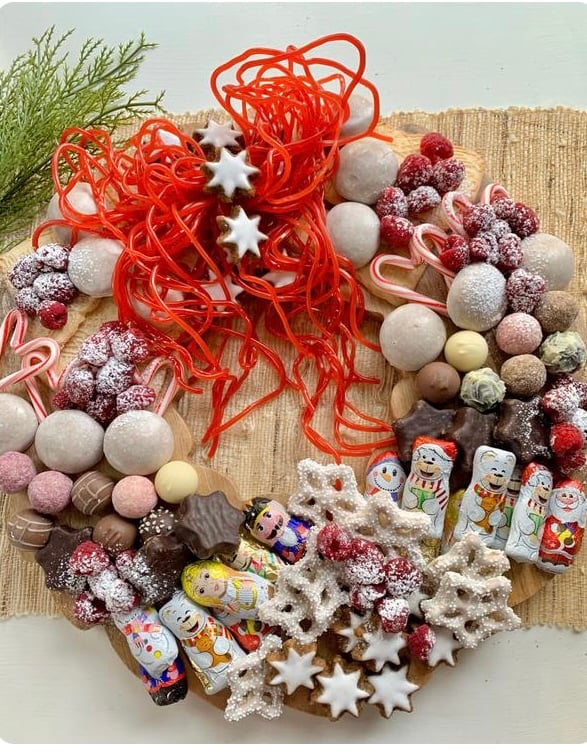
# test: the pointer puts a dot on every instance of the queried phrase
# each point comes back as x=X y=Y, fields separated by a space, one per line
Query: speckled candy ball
x=91 y=265
x=16 y=472
x=557 y=310
x=175 y=481
x=366 y=167
x=524 y=375
x=69 y=441
x=549 y=257
x=18 y=423
x=477 y=299
x=50 y=492
x=138 y=443
x=518 y=333
x=134 y=496
x=354 y=230
x=466 y=350
x=411 y=336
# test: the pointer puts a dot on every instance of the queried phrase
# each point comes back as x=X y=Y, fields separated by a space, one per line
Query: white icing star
x=414 y=600
x=392 y=690
x=280 y=278
x=215 y=290
x=350 y=632
x=219 y=135
x=244 y=233
x=296 y=671
x=382 y=647
x=341 y=691
x=444 y=647
x=231 y=172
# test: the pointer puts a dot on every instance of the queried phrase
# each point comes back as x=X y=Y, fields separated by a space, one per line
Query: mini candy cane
x=452 y=205
x=165 y=397
x=382 y=283
x=421 y=252
x=492 y=192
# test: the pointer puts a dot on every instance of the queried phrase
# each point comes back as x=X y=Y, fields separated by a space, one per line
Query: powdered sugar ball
x=361 y=112
x=158 y=317
x=81 y=198
x=134 y=496
x=91 y=265
x=138 y=443
x=518 y=333
x=367 y=167
x=18 y=423
x=69 y=441
x=354 y=230
x=549 y=257
x=16 y=471
x=411 y=336
x=477 y=299
x=50 y=492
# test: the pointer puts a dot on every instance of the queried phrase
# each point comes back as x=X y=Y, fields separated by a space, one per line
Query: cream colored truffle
x=354 y=230
x=175 y=481
x=476 y=299
x=412 y=336
x=18 y=423
x=466 y=350
x=91 y=265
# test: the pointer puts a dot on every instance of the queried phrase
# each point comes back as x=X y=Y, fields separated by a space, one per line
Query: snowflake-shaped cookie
x=469 y=557
x=343 y=690
x=392 y=690
x=242 y=234
x=218 y=135
x=230 y=172
x=295 y=666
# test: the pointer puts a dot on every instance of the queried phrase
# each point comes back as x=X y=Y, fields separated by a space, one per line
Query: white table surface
x=61 y=685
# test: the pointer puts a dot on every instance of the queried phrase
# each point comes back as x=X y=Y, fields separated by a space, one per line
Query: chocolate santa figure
x=385 y=473
x=529 y=511
x=270 y=524
x=563 y=527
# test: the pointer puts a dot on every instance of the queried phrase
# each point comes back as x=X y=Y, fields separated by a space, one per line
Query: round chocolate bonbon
x=524 y=375
x=482 y=389
x=18 y=423
x=91 y=265
x=518 y=333
x=367 y=167
x=69 y=441
x=92 y=493
x=563 y=352
x=354 y=230
x=175 y=481
x=138 y=443
x=28 y=530
x=466 y=350
x=557 y=310
x=114 y=533
x=411 y=336
x=438 y=382
x=549 y=257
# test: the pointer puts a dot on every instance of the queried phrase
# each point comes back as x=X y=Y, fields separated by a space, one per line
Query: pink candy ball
x=134 y=496
x=50 y=492
x=16 y=471
x=518 y=333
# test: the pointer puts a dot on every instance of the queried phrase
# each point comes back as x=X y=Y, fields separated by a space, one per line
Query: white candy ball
x=367 y=167
x=69 y=441
x=477 y=299
x=354 y=230
x=360 y=116
x=91 y=265
x=138 y=443
x=81 y=198
x=549 y=257
x=412 y=336
x=159 y=318
x=18 y=423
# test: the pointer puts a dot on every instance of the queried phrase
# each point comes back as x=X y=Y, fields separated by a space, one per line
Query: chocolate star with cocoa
x=209 y=524
x=54 y=558
x=422 y=419
x=521 y=429
x=156 y=568
x=469 y=430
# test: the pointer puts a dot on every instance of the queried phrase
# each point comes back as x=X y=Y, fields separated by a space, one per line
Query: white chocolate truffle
x=81 y=198
x=477 y=299
x=549 y=257
x=138 y=443
x=69 y=441
x=360 y=116
x=466 y=350
x=18 y=423
x=91 y=265
x=175 y=481
x=366 y=167
x=412 y=336
x=354 y=230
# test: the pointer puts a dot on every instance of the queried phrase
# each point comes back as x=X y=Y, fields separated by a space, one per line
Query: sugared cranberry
x=421 y=641
x=436 y=146
x=102 y=408
x=478 y=218
x=55 y=286
x=447 y=175
x=402 y=577
x=90 y=610
x=61 y=400
x=455 y=253
x=89 y=559
x=95 y=350
x=114 y=377
x=510 y=253
x=483 y=248
x=129 y=347
x=52 y=314
x=79 y=385
x=394 y=613
x=135 y=397
x=392 y=202
x=415 y=170
x=363 y=597
x=524 y=290
x=54 y=256
x=422 y=199
x=504 y=208
x=27 y=301
x=396 y=232
x=565 y=439
x=524 y=220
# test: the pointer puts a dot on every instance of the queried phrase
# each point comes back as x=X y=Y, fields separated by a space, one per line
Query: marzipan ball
x=411 y=336
x=466 y=350
x=50 y=492
x=134 y=496
x=16 y=471
x=518 y=333
x=366 y=167
x=557 y=310
x=138 y=443
x=175 y=481
x=438 y=382
x=354 y=230
x=18 y=423
x=69 y=441
x=92 y=493
x=28 y=530
x=523 y=375
x=115 y=533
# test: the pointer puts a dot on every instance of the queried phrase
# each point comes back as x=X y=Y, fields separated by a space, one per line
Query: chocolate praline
x=114 y=533
x=438 y=382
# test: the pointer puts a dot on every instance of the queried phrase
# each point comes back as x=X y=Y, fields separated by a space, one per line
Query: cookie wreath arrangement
x=266 y=240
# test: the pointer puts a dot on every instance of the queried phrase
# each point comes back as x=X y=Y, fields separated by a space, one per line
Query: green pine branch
x=44 y=92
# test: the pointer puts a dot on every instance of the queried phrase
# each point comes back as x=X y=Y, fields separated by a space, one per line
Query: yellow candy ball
x=466 y=350
x=176 y=480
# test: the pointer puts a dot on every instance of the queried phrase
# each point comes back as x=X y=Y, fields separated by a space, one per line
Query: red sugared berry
x=571 y=462
x=455 y=253
x=135 y=397
x=54 y=256
x=89 y=610
x=393 y=612
x=561 y=402
x=436 y=146
x=25 y=271
x=478 y=218
x=500 y=229
x=55 y=286
x=95 y=350
x=504 y=208
x=129 y=347
x=422 y=199
x=447 y=175
x=483 y=248
x=365 y=569
x=396 y=232
x=402 y=577
x=565 y=439
x=415 y=170
x=524 y=290
x=392 y=202
x=61 y=400
x=111 y=327
x=510 y=253
x=333 y=543
x=124 y=562
x=524 y=220
x=52 y=314
x=421 y=641
x=114 y=377
x=27 y=301
x=88 y=559
x=102 y=408
x=363 y=597
x=79 y=384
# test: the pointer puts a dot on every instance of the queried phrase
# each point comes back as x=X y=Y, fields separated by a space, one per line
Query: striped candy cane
x=166 y=396
x=492 y=192
x=402 y=292
x=452 y=205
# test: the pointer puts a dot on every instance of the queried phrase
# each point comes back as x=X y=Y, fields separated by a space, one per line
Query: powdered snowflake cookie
x=295 y=666
x=444 y=649
x=343 y=690
x=348 y=627
x=392 y=690
x=217 y=135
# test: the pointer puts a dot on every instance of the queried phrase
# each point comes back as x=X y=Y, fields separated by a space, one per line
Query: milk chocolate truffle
x=557 y=310
x=438 y=382
x=176 y=480
x=466 y=350
x=18 y=423
x=115 y=533
x=138 y=443
x=477 y=299
x=69 y=441
x=92 y=493
x=28 y=530
x=549 y=257
x=411 y=336
x=523 y=375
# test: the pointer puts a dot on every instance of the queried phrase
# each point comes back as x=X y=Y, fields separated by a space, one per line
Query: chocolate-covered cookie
x=209 y=524
x=422 y=419
x=156 y=568
x=54 y=558
x=521 y=429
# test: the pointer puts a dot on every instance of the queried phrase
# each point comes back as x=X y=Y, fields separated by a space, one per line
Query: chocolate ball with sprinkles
x=159 y=521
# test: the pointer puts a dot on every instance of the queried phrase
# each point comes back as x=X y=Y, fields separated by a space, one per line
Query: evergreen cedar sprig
x=41 y=94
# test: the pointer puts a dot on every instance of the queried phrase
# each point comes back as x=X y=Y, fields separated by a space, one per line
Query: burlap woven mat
x=540 y=156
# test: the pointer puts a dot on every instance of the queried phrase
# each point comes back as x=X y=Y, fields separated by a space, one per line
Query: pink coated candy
x=518 y=333
x=134 y=496
x=50 y=492
x=16 y=471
